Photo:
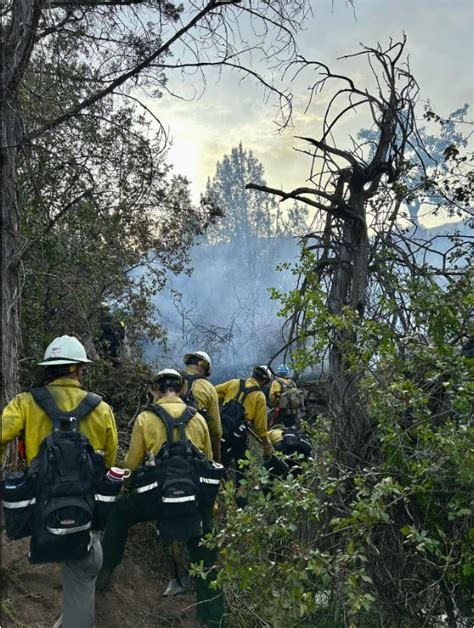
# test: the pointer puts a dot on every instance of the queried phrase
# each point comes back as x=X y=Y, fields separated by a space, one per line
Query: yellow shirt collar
x=166 y=400
x=192 y=369
x=253 y=382
x=65 y=381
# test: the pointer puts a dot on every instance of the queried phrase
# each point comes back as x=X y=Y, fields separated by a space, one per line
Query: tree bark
x=353 y=431
x=348 y=288
x=17 y=46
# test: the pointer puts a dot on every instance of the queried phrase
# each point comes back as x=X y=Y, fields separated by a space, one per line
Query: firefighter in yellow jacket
x=198 y=367
x=278 y=383
x=286 y=399
x=148 y=436
x=255 y=413
x=64 y=362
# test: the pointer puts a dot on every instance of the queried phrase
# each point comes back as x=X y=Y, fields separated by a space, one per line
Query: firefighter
x=286 y=400
x=64 y=362
x=244 y=403
x=148 y=436
x=203 y=394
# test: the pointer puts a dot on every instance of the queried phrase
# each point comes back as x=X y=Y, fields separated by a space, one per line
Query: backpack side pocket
x=106 y=494
x=145 y=486
x=209 y=483
x=19 y=503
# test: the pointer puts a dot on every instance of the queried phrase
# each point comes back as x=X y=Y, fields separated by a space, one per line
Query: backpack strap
x=192 y=377
x=244 y=391
x=170 y=423
x=46 y=402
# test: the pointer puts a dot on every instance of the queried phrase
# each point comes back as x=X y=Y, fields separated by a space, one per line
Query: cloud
x=232 y=110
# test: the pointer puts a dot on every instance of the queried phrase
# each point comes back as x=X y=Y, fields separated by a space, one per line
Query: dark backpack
x=180 y=484
x=293 y=442
x=65 y=473
x=234 y=429
x=189 y=398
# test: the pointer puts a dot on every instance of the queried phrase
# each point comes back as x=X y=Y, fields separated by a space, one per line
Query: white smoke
x=225 y=307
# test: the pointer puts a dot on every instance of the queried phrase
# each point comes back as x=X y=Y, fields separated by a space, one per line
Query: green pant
x=126 y=513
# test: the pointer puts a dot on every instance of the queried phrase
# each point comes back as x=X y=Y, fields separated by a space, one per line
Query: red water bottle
x=116 y=474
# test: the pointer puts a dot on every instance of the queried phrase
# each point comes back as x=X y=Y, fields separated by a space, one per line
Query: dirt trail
x=31 y=594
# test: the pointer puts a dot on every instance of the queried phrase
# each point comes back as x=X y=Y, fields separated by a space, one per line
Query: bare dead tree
x=360 y=255
x=341 y=187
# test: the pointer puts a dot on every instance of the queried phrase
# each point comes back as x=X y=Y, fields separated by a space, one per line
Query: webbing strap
x=170 y=423
x=245 y=391
x=191 y=378
x=46 y=402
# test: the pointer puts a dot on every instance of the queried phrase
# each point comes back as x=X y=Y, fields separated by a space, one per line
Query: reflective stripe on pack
x=177 y=500
x=63 y=531
x=148 y=487
x=22 y=504
x=105 y=498
x=209 y=480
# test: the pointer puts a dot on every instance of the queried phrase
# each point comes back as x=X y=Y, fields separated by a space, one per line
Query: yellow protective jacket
x=255 y=404
x=149 y=432
x=275 y=434
x=206 y=396
x=23 y=417
x=275 y=389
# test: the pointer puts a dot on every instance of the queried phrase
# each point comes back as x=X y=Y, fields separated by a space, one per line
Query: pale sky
x=440 y=48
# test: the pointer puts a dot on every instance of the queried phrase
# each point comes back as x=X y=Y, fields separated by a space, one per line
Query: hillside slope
x=31 y=594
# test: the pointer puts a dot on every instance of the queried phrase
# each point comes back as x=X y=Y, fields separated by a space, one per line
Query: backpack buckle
x=73 y=423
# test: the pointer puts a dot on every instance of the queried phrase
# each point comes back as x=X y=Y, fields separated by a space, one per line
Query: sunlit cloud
x=232 y=110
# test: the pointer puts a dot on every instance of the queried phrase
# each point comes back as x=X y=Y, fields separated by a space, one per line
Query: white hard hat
x=64 y=350
x=202 y=355
x=168 y=373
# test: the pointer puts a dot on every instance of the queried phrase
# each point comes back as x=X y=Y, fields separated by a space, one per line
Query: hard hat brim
x=192 y=355
x=64 y=361
x=197 y=355
x=168 y=373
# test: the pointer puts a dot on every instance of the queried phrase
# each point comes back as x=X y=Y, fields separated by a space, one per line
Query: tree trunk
x=10 y=275
x=17 y=45
x=351 y=430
